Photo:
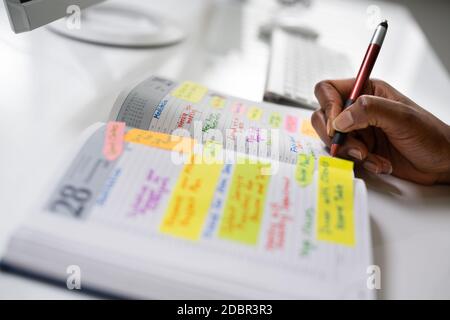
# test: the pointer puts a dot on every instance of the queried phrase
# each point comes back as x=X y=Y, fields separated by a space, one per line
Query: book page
x=191 y=109
x=295 y=232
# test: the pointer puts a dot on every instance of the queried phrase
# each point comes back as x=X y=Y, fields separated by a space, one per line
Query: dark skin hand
x=387 y=132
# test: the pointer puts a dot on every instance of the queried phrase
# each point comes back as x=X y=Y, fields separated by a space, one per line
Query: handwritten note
x=291 y=124
x=151 y=193
x=190 y=91
x=186 y=117
x=275 y=120
x=307 y=243
x=279 y=219
x=307 y=129
x=254 y=113
x=211 y=122
x=304 y=169
x=219 y=200
x=190 y=201
x=246 y=199
x=212 y=152
x=114 y=136
x=160 y=140
x=335 y=217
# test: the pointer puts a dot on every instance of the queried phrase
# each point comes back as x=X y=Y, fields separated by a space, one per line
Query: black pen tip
x=384 y=24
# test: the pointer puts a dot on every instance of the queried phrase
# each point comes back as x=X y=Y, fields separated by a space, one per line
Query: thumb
x=385 y=114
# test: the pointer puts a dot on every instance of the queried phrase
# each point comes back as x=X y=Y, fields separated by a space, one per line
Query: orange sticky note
x=113 y=144
x=307 y=129
x=217 y=102
x=160 y=140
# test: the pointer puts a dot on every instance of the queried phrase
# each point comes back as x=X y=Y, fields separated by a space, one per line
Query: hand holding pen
x=386 y=132
x=363 y=75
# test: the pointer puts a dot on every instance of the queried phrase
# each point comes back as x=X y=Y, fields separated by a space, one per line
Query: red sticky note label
x=113 y=145
x=291 y=124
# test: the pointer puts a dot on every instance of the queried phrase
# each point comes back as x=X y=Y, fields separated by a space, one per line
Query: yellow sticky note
x=254 y=113
x=217 y=102
x=160 y=140
x=190 y=91
x=307 y=129
x=244 y=208
x=304 y=169
x=275 y=120
x=190 y=200
x=335 y=216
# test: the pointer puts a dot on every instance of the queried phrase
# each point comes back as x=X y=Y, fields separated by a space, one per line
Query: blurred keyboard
x=296 y=65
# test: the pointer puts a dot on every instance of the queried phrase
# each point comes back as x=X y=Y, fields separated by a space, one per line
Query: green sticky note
x=304 y=170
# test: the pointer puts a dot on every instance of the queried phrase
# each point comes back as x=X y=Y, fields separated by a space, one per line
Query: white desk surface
x=52 y=88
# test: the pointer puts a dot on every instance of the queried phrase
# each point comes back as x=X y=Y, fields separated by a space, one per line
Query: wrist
x=444 y=177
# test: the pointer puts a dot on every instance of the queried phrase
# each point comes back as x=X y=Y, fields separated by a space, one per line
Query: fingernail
x=355 y=153
x=330 y=130
x=390 y=169
x=343 y=121
x=370 y=166
x=387 y=168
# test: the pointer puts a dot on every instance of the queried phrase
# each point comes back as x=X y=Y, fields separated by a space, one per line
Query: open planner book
x=200 y=195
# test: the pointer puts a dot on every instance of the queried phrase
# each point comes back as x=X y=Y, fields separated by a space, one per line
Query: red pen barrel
x=363 y=75
x=365 y=70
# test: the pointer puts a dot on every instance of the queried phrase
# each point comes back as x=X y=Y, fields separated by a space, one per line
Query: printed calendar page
x=241 y=209
x=213 y=195
x=244 y=126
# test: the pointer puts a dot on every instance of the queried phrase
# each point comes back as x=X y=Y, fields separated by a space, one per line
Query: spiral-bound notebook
x=186 y=193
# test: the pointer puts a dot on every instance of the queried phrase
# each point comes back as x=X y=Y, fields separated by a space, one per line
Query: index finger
x=331 y=95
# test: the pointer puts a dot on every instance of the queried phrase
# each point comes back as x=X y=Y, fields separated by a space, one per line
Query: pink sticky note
x=291 y=124
x=113 y=145
x=238 y=108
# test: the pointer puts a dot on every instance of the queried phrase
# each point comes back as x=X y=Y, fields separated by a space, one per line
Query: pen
x=362 y=77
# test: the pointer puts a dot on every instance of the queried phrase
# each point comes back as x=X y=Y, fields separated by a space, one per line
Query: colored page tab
x=244 y=208
x=335 y=216
x=304 y=170
x=254 y=113
x=217 y=102
x=307 y=129
x=190 y=91
x=291 y=124
x=160 y=140
x=190 y=200
x=238 y=108
x=275 y=120
x=113 y=144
